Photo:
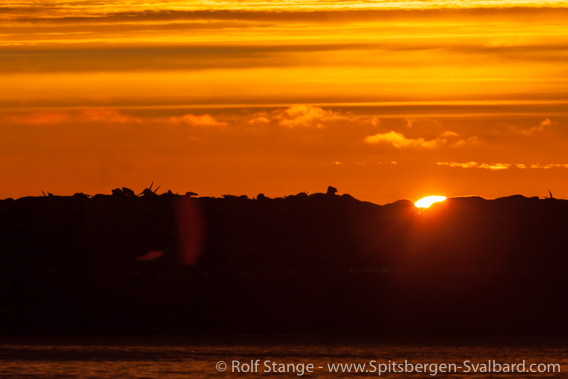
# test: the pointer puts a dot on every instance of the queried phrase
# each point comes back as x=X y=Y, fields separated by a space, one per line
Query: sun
x=425 y=202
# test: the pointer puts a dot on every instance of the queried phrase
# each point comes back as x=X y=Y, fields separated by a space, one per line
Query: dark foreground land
x=319 y=264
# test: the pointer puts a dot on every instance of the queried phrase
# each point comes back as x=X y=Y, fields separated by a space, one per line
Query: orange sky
x=382 y=99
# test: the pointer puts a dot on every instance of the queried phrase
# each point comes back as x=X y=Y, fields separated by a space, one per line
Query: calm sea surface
x=201 y=360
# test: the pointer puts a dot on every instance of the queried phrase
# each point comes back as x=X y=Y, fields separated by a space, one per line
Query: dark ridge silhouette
x=303 y=264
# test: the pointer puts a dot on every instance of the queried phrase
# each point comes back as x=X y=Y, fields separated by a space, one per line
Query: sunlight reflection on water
x=198 y=361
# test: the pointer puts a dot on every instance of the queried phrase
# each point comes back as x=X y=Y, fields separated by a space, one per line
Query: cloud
x=485 y=166
x=303 y=116
x=501 y=166
x=458 y=164
x=314 y=117
x=106 y=12
x=537 y=129
x=39 y=118
x=63 y=116
x=184 y=57
x=306 y=116
x=259 y=120
x=421 y=122
x=108 y=116
x=549 y=165
x=399 y=141
x=296 y=116
x=495 y=166
x=541 y=129
x=204 y=120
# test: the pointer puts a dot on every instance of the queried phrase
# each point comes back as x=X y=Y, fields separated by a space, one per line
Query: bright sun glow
x=429 y=200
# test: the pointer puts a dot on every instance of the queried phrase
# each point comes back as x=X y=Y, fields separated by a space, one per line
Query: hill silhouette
x=301 y=264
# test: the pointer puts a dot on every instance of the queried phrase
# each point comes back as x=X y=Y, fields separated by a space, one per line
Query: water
x=136 y=360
